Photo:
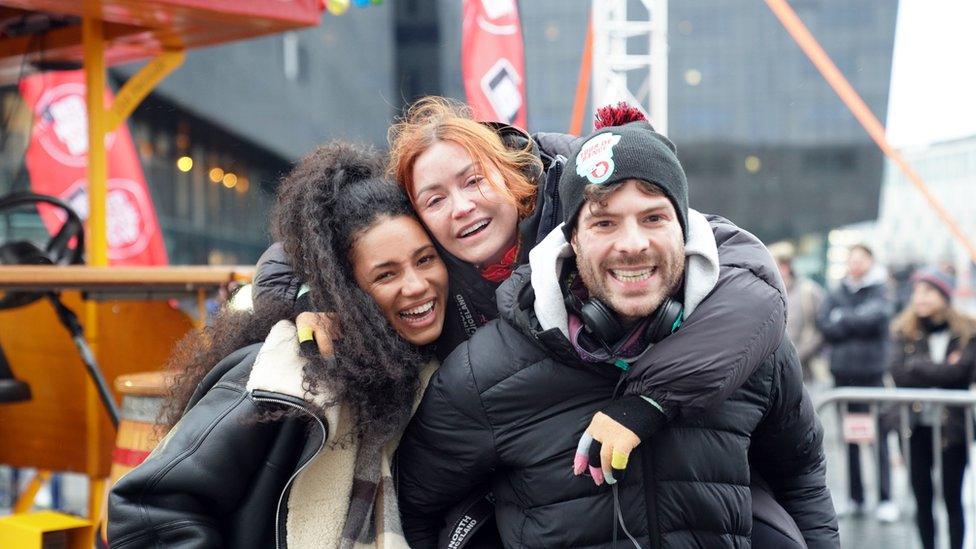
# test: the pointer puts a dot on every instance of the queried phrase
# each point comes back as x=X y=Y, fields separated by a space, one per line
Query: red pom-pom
x=617 y=115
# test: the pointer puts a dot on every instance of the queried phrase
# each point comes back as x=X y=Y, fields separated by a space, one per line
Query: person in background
x=854 y=322
x=900 y=285
x=933 y=347
x=803 y=299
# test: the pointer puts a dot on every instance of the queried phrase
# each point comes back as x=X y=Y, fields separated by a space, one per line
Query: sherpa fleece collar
x=279 y=368
x=547 y=258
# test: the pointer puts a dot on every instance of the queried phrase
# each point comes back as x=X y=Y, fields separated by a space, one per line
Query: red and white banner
x=57 y=160
x=493 y=61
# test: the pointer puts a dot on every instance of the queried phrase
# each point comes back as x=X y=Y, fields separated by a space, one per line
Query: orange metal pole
x=94 y=46
x=583 y=82
x=791 y=21
x=25 y=502
x=93 y=39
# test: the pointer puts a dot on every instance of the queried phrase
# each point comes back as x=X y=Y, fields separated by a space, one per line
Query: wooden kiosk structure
x=128 y=322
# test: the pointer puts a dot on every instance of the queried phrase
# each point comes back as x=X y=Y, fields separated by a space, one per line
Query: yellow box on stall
x=45 y=529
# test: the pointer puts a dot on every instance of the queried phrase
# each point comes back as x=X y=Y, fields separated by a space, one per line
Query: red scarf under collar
x=497 y=272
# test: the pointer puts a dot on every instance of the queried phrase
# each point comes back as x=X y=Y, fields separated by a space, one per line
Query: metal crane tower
x=637 y=74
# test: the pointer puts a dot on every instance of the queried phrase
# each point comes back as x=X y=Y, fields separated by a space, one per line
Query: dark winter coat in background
x=854 y=322
x=912 y=366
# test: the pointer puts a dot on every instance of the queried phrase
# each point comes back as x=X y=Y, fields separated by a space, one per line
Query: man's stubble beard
x=670 y=271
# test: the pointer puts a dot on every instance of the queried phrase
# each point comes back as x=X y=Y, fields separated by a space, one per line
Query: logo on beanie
x=595 y=159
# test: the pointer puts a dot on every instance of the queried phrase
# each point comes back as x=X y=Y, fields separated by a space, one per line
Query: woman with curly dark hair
x=279 y=447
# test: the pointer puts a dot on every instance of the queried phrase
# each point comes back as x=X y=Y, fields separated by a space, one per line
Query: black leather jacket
x=220 y=478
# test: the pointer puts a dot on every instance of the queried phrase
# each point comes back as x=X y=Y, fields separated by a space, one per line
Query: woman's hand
x=319 y=328
x=604 y=448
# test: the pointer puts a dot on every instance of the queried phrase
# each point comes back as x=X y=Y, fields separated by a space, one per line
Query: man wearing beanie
x=554 y=407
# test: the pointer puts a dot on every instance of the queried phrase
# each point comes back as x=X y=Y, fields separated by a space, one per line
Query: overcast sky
x=933 y=80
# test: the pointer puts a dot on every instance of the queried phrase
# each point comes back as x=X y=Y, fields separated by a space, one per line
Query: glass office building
x=764 y=139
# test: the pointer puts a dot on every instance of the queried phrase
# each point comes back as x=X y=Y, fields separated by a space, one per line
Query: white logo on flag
x=501 y=86
x=61 y=125
x=498 y=8
x=128 y=215
x=70 y=123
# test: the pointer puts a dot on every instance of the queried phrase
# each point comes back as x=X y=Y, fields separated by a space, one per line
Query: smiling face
x=630 y=249
x=927 y=302
x=395 y=262
x=460 y=207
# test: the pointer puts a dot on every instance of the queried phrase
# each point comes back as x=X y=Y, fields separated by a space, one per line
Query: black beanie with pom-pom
x=625 y=146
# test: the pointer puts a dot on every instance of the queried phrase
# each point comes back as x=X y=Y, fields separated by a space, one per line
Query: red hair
x=432 y=119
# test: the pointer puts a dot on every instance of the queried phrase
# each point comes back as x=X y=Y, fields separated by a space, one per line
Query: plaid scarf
x=373 y=519
x=350 y=484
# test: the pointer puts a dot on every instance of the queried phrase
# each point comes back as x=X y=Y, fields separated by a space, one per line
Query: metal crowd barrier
x=940 y=398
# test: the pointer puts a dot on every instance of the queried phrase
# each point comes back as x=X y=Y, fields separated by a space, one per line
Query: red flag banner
x=493 y=61
x=57 y=158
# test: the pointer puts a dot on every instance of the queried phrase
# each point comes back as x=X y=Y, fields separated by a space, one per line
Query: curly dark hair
x=328 y=201
x=333 y=196
x=199 y=351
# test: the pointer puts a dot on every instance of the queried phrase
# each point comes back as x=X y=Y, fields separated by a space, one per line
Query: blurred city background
x=763 y=137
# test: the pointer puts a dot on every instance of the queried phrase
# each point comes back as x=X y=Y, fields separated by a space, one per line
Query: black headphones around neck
x=602 y=322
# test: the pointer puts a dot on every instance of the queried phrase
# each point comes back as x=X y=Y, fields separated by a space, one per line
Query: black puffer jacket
x=275 y=280
x=504 y=409
x=854 y=322
x=912 y=366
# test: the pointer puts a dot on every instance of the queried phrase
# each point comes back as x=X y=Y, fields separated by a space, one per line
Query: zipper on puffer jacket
x=287 y=401
x=555 y=171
